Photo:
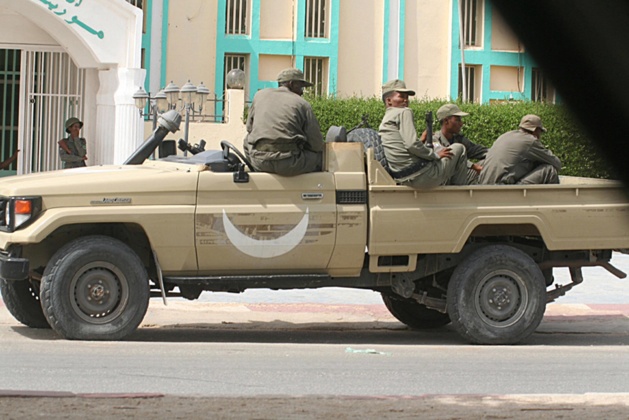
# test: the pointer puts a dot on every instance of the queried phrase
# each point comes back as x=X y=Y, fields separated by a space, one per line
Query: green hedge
x=484 y=124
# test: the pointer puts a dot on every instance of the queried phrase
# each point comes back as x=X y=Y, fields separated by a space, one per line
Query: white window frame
x=317 y=18
x=473 y=23
x=473 y=75
x=316 y=72
x=237 y=14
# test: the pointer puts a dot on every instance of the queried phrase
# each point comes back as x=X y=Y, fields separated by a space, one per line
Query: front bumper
x=13 y=268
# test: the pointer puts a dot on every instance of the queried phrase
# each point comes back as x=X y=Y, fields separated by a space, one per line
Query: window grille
x=236 y=17
x=539 y=88
x=9 y=104
x=471 y=73
x=472 y=22
x=137 y=3
x=233 y=61
x=315 y=71
x=316 y=19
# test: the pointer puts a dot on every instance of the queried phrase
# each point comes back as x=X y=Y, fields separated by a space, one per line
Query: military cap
x=292 y=75
x=449 y=110
x=530 y=122
x=71 y=121
x=396 y=85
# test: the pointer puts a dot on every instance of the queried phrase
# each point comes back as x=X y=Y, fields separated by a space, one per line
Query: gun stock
x=429 y=129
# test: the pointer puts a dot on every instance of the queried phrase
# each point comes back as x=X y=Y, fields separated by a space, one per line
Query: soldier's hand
x=422 y=138
x=477 y=167
x=446 y=152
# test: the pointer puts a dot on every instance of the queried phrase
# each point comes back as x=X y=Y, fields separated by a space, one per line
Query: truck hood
x=151 y=183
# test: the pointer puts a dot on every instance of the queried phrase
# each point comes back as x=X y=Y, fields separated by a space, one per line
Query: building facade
x=62 y=58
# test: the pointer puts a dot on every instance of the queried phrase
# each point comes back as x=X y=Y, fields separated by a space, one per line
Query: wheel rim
x=100 y=292
x=501 y=298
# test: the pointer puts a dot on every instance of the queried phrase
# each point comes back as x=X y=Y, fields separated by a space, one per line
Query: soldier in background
x=518 y=157
x=73 y=149
x=283 y=134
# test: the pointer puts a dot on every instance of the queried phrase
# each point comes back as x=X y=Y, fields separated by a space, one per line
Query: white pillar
x=105 y=119
x=119 y=129
x=128 y=132
x=234 y=106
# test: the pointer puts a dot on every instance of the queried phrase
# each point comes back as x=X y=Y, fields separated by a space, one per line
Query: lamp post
x=192 y=99
x=157 y=104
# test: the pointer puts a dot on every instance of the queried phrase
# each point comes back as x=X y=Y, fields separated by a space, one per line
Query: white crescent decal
x=266 y=248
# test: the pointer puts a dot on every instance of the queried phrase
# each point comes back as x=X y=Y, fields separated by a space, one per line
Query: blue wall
x=253 y=46
x=485 y=57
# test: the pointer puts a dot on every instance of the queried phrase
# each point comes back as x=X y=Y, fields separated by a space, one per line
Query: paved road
x=291 y=353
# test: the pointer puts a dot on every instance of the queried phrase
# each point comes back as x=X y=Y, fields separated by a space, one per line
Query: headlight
x=19 y=212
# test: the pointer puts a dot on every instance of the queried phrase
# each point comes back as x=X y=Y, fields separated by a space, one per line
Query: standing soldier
x=73 y=149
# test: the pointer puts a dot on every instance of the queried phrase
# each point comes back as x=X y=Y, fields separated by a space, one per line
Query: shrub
x=485 y=123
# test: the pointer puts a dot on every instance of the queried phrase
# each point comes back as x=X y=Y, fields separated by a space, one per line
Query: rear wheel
x=22 y=300
x=497 y=296
x=95 y=288
x=414 y=314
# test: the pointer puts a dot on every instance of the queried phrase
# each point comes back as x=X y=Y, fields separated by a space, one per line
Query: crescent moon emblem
x=266 y=248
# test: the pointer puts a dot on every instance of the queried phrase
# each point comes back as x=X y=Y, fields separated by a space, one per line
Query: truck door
x=270 y=223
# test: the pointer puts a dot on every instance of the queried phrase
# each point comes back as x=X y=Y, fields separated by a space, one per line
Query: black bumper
x=12 y=268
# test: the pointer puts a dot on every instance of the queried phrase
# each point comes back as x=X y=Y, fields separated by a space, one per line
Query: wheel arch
x=482 y=227
x=131 y=234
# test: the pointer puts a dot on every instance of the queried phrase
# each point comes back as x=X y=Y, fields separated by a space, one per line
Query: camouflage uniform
x=78 y=147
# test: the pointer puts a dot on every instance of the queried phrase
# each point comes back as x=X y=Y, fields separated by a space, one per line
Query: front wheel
x=497 y=296
x=22 y=300
x=95 y=288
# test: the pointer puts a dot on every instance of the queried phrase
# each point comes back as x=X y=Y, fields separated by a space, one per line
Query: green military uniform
x=518 y=157
x=283 y=134
x=473 y=150
x=78 y=147
x=404 y=151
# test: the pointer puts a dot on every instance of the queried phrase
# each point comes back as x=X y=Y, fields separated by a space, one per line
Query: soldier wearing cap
x=518 y=157
x=411 y=162
x=449 y=115
x=73 y=149
x=283 y=134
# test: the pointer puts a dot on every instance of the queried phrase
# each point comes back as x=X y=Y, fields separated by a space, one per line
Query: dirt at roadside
x=612 y=406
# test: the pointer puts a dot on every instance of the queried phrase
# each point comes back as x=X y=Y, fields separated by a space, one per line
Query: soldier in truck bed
x=449 y=116
x=412 y=163
x=283 y=134
x=518 y=157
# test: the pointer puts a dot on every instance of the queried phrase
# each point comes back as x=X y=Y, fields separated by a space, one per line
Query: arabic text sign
x=62 y=11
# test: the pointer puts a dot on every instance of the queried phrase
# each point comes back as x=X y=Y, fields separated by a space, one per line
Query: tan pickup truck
x=83 y=250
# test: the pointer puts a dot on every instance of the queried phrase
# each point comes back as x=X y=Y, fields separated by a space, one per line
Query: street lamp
x=192 y=99
x=235 y=79
x=141 y=98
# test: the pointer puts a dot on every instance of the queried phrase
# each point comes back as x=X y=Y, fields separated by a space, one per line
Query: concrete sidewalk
x=568 y=318
x=582 y=318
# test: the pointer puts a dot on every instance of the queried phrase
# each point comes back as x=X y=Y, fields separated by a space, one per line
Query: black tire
x=414 y=314
x=95 y=288
x=22 y=300
x=497 y=296
x=370 y=139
